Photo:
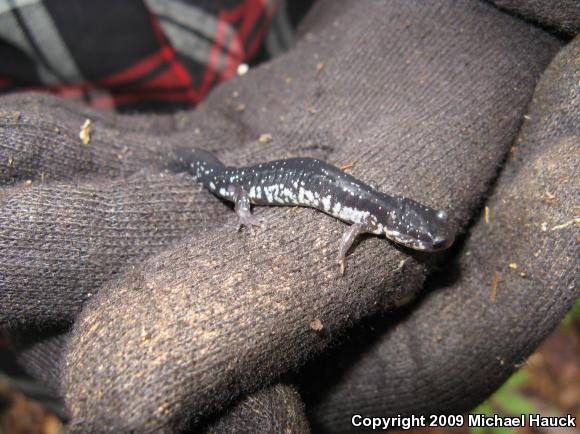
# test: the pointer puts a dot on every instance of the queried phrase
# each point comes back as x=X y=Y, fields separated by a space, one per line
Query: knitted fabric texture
x=460 y=330
x=182 y=316
x=274 y=409
x=562 y=16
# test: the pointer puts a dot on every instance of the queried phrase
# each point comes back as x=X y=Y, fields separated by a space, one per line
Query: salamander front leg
x=346 y=242
x=242 y=208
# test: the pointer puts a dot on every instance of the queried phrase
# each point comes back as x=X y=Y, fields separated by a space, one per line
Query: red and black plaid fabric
x=130 y=53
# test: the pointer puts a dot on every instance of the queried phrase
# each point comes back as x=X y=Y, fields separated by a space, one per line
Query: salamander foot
x=348 y=238
x=243 y=210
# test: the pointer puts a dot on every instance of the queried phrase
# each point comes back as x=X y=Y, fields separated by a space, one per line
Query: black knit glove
x=184 y=315
x=487 y=310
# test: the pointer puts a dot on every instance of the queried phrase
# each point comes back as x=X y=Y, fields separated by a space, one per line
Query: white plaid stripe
x=47 y=38
x=54 y=63
x=188 y=44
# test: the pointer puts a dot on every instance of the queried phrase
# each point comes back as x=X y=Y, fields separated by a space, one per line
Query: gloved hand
x=481 y=316
x=181 y=315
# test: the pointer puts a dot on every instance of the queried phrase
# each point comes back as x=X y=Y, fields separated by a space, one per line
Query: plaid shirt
x=128 y=54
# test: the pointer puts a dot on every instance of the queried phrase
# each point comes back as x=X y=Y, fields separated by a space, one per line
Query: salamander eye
x=442 y=215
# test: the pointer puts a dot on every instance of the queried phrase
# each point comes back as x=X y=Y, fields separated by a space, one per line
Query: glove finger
x=40 y=353
x=40 y=138
x=40 y=141
x=517 y=279
x=219 y=316
x=275 y=409
x=60 y=242
x=562 y=16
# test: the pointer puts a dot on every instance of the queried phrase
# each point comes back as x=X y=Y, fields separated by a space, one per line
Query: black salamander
x=313 y=183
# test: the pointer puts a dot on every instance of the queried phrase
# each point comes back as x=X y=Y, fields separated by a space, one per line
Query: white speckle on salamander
x=354 y=215
x=288 y=194
x=336 y=209
x=268 y=191
x=392 y=234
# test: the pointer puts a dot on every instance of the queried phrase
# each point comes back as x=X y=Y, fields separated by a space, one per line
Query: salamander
x=313 y=183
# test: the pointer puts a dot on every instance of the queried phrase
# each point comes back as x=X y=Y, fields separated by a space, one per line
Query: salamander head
x=418 y=227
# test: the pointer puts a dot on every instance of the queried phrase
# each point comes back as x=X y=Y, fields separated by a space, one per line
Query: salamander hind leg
x=348 y=238
x=243 y=210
